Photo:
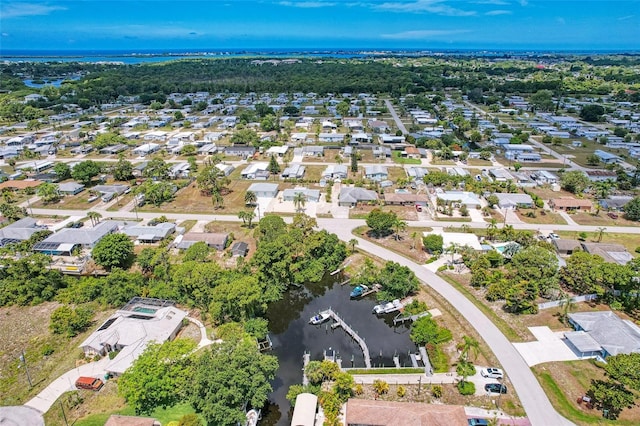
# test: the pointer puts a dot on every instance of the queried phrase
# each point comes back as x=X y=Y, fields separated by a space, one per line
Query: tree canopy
x=114 y=250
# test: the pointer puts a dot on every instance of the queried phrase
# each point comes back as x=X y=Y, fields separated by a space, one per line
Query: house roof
x=19 y=230
x=118 y=420
x=391 y=413
x=304 y=412
x=239 y=248
x=460 y=196
x=263 y=187
x=614 y=253
x=613 y=334
x=405 y=198
x=513 y=199
x=70 y=187
x=83 y=236
x=375 y=170
x=159 y=231
x=20 y=184
x=566 y=245
x=355 y=195
x=211 y=238
x=583 y=341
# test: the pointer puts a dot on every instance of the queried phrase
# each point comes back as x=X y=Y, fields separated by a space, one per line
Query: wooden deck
x=340 y=323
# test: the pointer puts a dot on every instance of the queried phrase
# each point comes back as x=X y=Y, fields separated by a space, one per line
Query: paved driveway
x=549 y=346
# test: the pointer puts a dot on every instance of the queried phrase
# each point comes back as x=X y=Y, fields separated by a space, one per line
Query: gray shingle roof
x=612 y=333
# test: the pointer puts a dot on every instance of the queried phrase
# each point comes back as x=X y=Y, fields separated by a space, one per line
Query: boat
x=320 y=318
x=253 y=416
x=387 y=307
x=358 y=291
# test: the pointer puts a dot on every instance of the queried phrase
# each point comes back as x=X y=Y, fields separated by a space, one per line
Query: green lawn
x=163 y=415
x=397 y=158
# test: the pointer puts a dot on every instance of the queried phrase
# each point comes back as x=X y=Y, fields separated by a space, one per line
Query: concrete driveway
x=549 y=346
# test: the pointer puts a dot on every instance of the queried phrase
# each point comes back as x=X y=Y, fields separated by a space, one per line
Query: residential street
x=394 y=114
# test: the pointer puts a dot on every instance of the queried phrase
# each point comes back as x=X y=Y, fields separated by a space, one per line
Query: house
x=66 y=240
x=294 y=171
x=417 y=173
x=311 y=151
x=378 y=126
x=239 y=249
x=412 y=152
x=405 y=199
x=264 y=190
x=179 y=170
x=256 y=171
x=217 y=241
x=602 y=334
x=601 y=175
x=309 y=194
x=500 y=175
x=615 y=202
x=511 y=201
x=543 y=177
x=335 y=171
x=114 y=149
x=20 y=230
x=376 y=172
x=208 y=149
x=360 y=412
x=146 y=149
x=225 y=169
x=240 y=151
x=304 y=411
x=351 y=196
x=331 y=137
x=150 y=234
x=570 y=204
x=384 y=138
x=278 y=151
x=70 y=188
x=111 y=189
x=469 y=199
x=566 y=247
x=613 y=253
x=606 y=157
x=129 y=330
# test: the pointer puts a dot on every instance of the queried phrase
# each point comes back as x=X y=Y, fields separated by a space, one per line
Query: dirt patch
x=408 y=243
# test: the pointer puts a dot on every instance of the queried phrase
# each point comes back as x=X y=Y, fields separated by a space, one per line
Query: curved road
x=535 y=402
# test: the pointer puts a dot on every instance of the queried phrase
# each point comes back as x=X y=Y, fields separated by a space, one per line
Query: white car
x=492 y=373
x=554 y=236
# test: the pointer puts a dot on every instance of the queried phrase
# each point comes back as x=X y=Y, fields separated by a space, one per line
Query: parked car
x=418 y=207
x=492 y=373
x=612 y=215
x=495 y=388
x=478 y=422
x=89 y=383
x=92 y=199
x=78 y=224
x=554 y=236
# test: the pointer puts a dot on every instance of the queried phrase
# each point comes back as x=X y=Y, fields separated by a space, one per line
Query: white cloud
x=419 y=34
x=560 y=20
x=437 y=7
x=498 y=12
x=492 y=2
x=17 y=10
x=524 y=2
x=5 y=34
x=624 y=18
x=307 y=4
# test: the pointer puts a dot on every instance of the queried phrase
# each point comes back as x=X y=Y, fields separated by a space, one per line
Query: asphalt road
x=394 y=114
x=535 y=402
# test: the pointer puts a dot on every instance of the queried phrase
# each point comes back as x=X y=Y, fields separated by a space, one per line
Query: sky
x=316 y=24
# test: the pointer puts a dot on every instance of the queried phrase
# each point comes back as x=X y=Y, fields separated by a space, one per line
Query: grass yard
x=189 y=199
x=397 y=158
x=403 y=245
x=478 y=162
x=565 y=382
x=396 y=173
x=542 y=216
x=27 y=328
x=602 y=219
x=403 y=212
x=70 y=202
x=313 y=173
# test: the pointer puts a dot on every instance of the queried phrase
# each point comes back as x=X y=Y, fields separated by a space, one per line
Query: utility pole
x=64 y=416
x=23 y=360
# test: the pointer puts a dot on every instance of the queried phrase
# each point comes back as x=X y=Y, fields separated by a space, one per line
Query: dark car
x=612 y=215
x=478 y=422
x=78 y=224
x=495 y=388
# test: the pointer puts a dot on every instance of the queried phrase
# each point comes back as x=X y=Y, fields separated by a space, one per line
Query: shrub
x=466 y=388
x=438 y=358
x=401 y=391
x=436 y=391
x=47 y=350
x=358 y=389
x=380 y=386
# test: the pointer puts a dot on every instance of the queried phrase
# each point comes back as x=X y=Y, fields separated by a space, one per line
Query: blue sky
x=233 y=24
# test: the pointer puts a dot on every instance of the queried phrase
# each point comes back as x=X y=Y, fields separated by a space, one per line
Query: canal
x=292 y=335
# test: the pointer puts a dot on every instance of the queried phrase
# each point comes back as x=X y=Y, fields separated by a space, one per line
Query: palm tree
x=469 y=347
x=492 y=229
x=600 y=231
x=243 y=216
x=217 y=200
x=250 y=216
x=250 y=198
x=414 y=235
x=399 y=225
x=353 y=243
x=567 y=306
x=94 y=217
x=453 y=250
x=299 y=200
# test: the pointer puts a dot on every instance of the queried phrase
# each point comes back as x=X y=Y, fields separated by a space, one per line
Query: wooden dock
x=400 y=319
x=374 y=288
x=353 y=334
x=341 y=268
x=306 y=358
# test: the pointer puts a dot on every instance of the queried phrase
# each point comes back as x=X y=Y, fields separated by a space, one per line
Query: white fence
x=575 y=299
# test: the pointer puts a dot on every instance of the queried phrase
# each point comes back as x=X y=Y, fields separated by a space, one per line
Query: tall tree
x=113 y=250
x=274 y=167
x=85 y=171
x=230 y=377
